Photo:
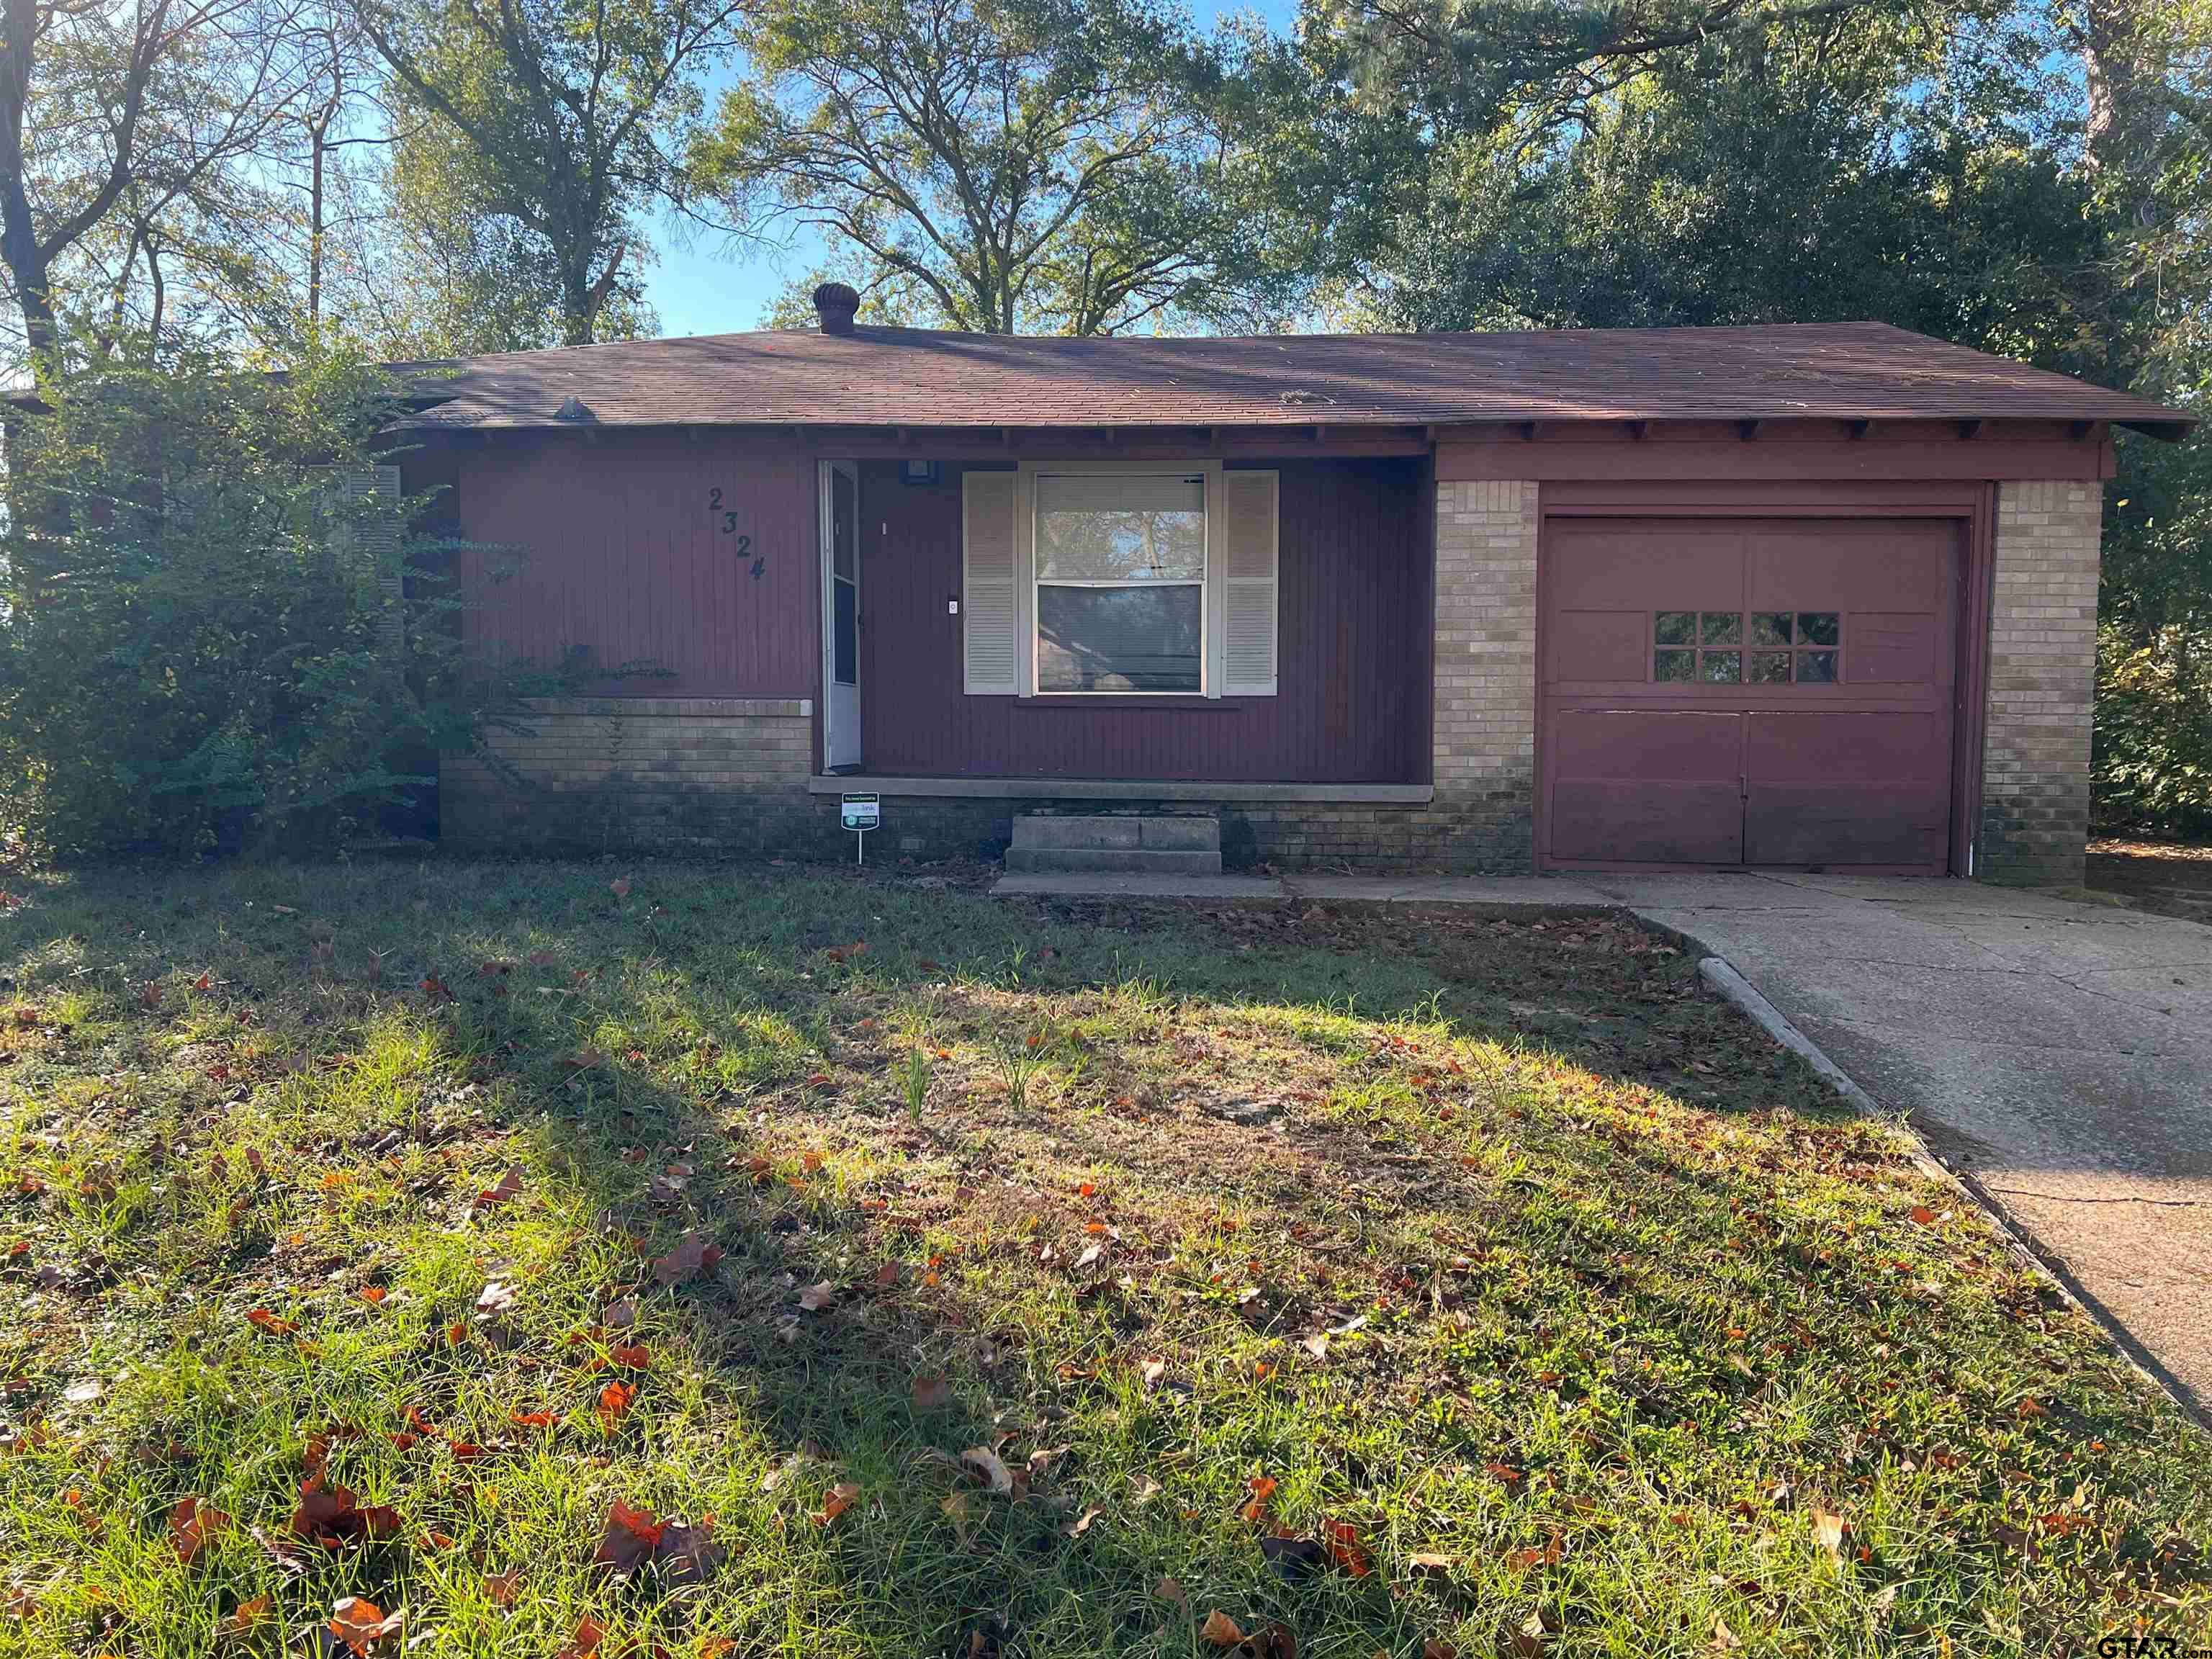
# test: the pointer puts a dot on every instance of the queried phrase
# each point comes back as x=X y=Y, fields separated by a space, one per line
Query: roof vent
x=837 y=304
x=575 y=408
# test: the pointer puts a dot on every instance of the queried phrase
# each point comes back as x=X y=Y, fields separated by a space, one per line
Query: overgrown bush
x=205 y=642
x=2153 y=763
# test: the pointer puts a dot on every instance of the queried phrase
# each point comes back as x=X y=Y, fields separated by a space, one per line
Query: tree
x=1064 y=166
x=1750 y=164
x=141 y=106
x=566 y=119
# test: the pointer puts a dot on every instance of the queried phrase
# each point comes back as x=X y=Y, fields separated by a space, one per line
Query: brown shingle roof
x=917 y=377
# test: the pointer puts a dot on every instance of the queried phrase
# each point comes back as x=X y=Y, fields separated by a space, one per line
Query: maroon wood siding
x=1352 y=650
x=622 y=553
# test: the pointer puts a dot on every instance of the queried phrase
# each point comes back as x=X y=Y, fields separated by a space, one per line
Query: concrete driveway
x=2057 y=1053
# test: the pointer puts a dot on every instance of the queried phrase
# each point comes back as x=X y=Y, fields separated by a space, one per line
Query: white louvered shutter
x=375 y=544
x=987 y=584
x=1250 y=501
x=381 y=542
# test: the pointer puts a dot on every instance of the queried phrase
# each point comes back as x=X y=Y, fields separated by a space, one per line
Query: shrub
x=2153 y=762
x=214 y=631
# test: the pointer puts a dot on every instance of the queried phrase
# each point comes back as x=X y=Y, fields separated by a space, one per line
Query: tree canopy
x=1061 y=166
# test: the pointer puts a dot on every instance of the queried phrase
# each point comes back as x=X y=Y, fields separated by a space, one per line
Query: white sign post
x=860 y=814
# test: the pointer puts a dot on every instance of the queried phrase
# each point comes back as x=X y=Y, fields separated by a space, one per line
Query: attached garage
x=1752 y=691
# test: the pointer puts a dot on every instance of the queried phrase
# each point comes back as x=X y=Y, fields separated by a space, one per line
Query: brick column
x=1485 y=674
x=2043 y=679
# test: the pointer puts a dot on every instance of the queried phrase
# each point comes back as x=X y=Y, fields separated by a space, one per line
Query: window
x=1130 y=579
x=1728 y=647
x=1121 y=582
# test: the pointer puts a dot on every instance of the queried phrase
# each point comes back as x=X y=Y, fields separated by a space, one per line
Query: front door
x=841 y=614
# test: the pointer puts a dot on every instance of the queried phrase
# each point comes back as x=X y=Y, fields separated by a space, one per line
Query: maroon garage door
x=1749 y=691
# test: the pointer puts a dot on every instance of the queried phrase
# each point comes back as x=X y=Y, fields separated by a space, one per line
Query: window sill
x=1162 y=703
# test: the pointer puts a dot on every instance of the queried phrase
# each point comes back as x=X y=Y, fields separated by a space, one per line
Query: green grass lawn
x=720 y=1261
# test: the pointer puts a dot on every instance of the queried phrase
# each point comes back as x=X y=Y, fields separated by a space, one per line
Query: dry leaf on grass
x=615 y=1402
x=818 y=1298
x=1221 y=1630
x=689 y=1554
x=1341 y=1540
x=631 y=1537
x=1081 y=1524
x=932 y=1392
x=328 y=1514
x=193 y=1523
x=1526 y=1639
x=988 y=1467
x=248 y=1616
x=1828 y=1530
x=502 y=1588
x=692 y=1256
x=1262 y=1488
x=834 y=1502
x=362 y=1624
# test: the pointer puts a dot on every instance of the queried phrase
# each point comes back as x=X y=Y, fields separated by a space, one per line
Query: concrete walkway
x=2057 y=1053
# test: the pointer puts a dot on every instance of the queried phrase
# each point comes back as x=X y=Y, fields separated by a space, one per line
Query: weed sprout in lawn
x=1020 y=1060
x=914 y=1078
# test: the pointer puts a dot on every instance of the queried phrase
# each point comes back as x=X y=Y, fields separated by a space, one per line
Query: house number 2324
x=729 y=527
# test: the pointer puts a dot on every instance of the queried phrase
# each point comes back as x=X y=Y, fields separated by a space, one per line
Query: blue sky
x=710 y=289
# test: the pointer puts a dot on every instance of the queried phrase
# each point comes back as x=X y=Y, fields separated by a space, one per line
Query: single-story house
x=1814 y=596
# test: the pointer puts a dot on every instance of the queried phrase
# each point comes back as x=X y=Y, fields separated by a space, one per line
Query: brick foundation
x=2043 y=679
x=676 y=775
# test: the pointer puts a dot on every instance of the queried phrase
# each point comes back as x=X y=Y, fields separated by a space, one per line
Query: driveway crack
x=2125 y=1198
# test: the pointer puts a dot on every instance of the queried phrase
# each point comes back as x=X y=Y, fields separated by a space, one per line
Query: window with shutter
x=1127 y=579
x=1249 y=503
x=987 y=585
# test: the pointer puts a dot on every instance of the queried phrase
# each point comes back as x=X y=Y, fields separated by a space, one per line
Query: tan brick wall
x=1486 y=673
x=2043 y=677
x=697 y=773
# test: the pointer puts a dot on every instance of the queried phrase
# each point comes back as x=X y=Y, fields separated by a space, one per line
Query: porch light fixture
x=918 y=472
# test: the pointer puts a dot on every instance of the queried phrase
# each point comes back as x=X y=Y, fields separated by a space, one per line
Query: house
x=1807 y=596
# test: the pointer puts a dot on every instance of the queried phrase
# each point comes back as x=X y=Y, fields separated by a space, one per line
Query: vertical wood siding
x=1352 y=705
x=621 y=553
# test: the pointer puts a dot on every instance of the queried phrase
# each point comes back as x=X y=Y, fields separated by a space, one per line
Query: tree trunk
x=315 y=224
x=26 y=270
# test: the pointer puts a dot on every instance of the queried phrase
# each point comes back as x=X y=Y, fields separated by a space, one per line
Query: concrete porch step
x=1160 y=832
x=1148 y=844
x=1158 y=862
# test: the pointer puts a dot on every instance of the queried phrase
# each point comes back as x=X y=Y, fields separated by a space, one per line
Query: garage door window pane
x=1770 y=668
x=1674 y=628
x=1674 y=665
x=1816 y=667
x=1722 y=667
x=1771 y=628
x=1721 y=628
x=1818 y=627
